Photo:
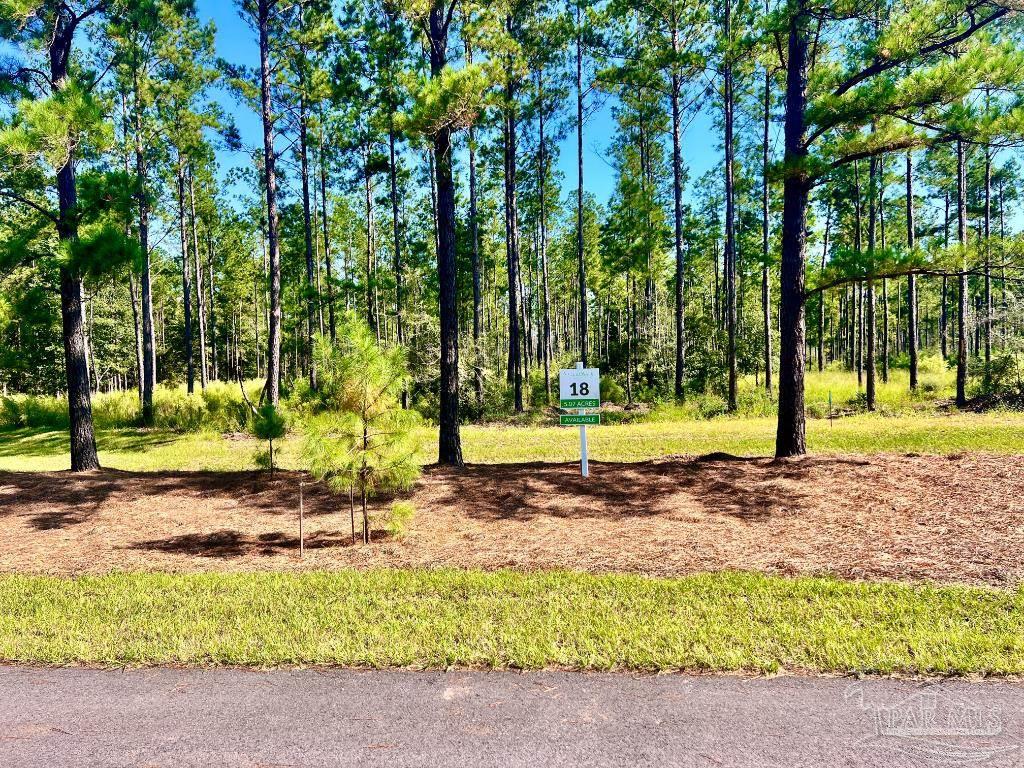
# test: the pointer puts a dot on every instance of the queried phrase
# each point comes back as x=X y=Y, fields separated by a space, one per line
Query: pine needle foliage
x=357 y=437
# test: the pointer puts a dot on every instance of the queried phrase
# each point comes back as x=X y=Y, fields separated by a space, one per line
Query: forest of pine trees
x=861 y=211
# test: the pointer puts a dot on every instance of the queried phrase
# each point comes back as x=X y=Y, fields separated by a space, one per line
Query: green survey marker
x=568 y=419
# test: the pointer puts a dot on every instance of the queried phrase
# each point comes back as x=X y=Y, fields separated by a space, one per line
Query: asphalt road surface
x=224 y=718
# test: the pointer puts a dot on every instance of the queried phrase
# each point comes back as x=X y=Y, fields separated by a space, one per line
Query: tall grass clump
x=220 y=408
x=116 y=410
x=33 y=411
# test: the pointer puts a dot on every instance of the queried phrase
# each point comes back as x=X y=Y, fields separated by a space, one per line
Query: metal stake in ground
x=302 y=511
x=584 y=460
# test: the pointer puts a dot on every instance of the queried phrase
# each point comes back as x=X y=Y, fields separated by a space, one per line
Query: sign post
x=579 y=390
x=584 y=460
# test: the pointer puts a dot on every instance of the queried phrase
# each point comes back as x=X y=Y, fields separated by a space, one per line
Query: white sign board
x=579 y=388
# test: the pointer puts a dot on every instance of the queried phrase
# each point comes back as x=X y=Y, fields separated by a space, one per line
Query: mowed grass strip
x=443 y=618
x=38 y=450
x=998 y=432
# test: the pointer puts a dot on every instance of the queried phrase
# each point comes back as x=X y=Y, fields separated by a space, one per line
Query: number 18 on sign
x=579 y=390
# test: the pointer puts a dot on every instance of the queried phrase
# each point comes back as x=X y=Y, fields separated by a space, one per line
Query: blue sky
x=236 y=43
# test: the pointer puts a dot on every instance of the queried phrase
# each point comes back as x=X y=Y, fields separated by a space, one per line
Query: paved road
x=167 y=717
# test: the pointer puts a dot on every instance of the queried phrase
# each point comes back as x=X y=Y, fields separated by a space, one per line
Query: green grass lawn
x=41 y=448
x=509 y=619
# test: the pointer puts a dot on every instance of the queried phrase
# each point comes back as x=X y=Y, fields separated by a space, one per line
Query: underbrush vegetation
x=217 y=408
x=833 y=392
x=506 y=619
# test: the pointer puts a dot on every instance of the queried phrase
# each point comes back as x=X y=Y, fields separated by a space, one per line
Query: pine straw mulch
x=950 y=519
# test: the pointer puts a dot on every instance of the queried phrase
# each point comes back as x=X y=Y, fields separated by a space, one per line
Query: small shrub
x=818 y=410
x=755 y=402
x=262 y=458
x=399 y=518
x=859 y=401
x=269 y=424
x=10 y=413
x=933 y=364
x=42 y=411
x=612 y=391
x=499 y=399
x=709 y=406
x=1002 y=380
x=225 y=409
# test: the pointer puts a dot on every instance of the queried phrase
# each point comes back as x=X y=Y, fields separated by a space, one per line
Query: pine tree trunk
x=137 y=327
x=512 y=248
x=821 y=295
x=730 y=216
x=961 y=319
x=790 y=438
x=200 y=299
x=581 y=264
x=83 y=438
x=871 y=329
x=1002 y=268
x=543 y=238
x=885 y=330
x=474 y=244
x=142 y=201
x=677 y=219
x=449 y=442
x=396 y=231
x=328 y=253
x=211 y=302
x=186 y=283
x=371 y=245
x=911 y=279
x=307 y=229
x=943 y=309
x=988 y=258
x=273 y=386
x=766 y=311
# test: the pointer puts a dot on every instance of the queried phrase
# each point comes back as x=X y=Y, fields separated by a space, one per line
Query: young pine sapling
x=358 y=438
x=268 y=423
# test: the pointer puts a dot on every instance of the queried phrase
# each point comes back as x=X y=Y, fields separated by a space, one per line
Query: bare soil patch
x=953 y=519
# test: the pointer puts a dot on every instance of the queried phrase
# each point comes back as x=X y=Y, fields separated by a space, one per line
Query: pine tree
x=901 y=74
x=60 y=118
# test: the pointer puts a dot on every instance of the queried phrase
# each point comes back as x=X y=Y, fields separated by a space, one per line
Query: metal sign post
x=579 y=390
x=584 y=462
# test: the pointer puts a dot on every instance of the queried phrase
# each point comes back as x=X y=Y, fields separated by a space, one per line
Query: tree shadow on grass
x=33 y=441
x=48 y=441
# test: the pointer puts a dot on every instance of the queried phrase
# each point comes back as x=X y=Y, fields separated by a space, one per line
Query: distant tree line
x=861 y=208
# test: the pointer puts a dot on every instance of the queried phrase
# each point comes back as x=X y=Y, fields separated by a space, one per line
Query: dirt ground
x=957 y=519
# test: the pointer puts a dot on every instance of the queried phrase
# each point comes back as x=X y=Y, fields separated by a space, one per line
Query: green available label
x=579 y=403
x=568 y=419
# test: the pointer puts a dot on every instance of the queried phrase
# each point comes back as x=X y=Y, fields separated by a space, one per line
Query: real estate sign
x=579 y=390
